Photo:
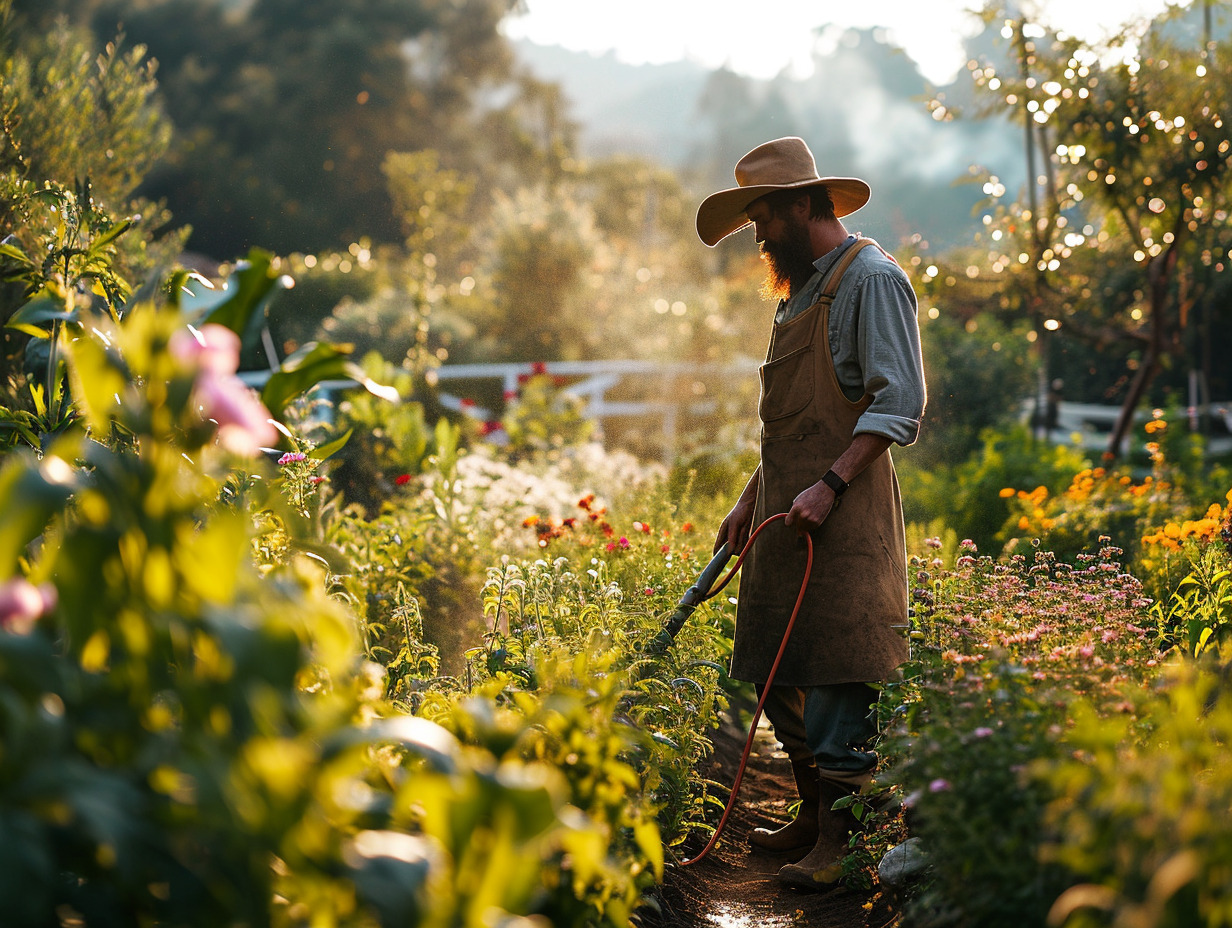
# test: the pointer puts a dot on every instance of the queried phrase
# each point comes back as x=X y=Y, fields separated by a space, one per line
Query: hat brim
x=722 y=213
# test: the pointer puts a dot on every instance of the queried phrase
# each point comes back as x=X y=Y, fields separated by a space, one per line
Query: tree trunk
x=1160 y=274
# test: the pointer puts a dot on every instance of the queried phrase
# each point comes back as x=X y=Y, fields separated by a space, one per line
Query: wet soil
x=735 y=886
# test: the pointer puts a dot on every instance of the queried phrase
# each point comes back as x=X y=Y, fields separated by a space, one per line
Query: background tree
x=82 y=127
x=284 y=111
x=1122 y=235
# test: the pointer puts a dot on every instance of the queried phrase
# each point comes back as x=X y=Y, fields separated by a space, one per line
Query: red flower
x=610 y=546
x=539 y=367
x=402 y=479
x=586 y=501
x=687 y=527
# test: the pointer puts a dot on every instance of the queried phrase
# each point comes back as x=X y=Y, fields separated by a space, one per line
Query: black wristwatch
x=835 y=483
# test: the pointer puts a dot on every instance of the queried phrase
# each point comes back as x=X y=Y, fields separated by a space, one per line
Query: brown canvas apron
x=858 y=590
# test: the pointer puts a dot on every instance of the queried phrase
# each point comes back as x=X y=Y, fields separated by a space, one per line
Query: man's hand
x=736 y=527
x=811 y=507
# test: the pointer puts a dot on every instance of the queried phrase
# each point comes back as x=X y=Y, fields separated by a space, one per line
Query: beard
x=789 y=263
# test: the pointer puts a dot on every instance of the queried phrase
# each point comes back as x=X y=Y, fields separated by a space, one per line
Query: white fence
x=1085 y=425
x=597 y=379
x=1089 y=425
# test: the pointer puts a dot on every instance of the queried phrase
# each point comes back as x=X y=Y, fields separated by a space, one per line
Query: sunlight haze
x=762 y=40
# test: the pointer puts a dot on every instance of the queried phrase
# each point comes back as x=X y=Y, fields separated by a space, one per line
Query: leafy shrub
x=1140 y=814
x=966 y=498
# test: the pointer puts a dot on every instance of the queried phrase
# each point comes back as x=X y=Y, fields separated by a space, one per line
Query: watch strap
x=835 y=483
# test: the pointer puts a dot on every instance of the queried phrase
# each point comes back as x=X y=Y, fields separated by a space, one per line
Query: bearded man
x=842 y=382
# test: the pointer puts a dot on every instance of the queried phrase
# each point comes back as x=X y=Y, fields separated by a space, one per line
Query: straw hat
x=778 y=165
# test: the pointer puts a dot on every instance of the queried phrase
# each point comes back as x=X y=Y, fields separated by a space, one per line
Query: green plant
x=1139 y=816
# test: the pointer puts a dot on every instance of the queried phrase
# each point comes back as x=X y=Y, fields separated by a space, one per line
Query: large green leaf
x=240 y=304
x=31 y=492
x=41 y=309
x=390 y=871
x=312 y=364
x=419 y=736
x=99 y=377
x=329 y=449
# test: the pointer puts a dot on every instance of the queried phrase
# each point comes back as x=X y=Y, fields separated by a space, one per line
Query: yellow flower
x=1007 y=492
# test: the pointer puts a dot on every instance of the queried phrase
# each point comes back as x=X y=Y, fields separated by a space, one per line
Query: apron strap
x=835 y=277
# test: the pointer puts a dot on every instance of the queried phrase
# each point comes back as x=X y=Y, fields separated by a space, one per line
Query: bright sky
x=762 y=38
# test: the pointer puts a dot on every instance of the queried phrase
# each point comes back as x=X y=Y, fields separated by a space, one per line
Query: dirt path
x=735 y=887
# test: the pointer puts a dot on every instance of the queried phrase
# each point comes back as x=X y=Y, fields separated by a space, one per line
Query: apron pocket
x=786 y=385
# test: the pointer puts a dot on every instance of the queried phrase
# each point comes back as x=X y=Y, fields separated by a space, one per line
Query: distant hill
x=863 y=111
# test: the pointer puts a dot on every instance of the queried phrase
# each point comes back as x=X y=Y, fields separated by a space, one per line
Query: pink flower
x=292 y=457
x=624 y=542
x=982 y=732
x=22 y=603
x=243 y=422
x=939 y=786
x=214 y=351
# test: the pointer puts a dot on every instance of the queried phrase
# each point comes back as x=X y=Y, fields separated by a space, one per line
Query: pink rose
x=213 y=348
x=22 y=603
x=243 y=422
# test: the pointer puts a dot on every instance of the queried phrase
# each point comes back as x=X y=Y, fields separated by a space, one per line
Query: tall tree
x=286 y=109
x=1126 y=234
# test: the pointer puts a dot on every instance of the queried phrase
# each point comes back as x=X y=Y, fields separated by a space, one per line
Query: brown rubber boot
x=822 y=866
x=800 y=833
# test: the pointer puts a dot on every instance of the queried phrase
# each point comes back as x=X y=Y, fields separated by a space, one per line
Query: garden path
x=735 y=887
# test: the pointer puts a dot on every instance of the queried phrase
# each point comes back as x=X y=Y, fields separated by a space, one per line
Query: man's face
x=786 y=248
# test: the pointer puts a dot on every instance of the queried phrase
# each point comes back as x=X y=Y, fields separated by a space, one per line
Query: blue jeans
x=832 y=723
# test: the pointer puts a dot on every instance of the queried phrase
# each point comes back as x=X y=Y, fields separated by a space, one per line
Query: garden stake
x=699 y=593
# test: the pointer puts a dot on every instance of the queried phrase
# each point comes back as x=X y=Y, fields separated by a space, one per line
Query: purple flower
x=22 y=603
x=982 y=732
x=939 y=786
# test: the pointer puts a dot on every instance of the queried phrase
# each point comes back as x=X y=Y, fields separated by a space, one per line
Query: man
x=842 y=382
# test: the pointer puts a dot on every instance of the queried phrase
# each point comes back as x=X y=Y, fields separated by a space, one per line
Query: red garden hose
x=748 y=745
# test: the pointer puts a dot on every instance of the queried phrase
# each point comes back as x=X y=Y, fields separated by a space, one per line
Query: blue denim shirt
x=874 y=339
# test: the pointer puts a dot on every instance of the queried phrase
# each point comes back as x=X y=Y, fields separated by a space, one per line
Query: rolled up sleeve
x=888 y=346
